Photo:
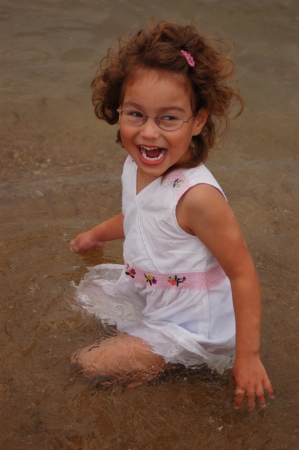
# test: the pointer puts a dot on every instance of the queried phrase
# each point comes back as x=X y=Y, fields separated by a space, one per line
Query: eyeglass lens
x=164 y=121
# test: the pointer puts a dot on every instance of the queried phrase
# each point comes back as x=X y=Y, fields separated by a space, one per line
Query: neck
x=143 y=180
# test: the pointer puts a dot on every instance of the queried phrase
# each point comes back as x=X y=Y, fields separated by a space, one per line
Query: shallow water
x=60 y=172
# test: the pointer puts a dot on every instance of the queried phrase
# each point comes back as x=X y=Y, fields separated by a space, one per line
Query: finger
x=267 y=385
x=73 y=247
x=261 y=397
x=239 y=398
x=251 y=399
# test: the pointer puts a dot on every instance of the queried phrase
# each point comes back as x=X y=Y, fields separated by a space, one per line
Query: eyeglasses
x=167 y=122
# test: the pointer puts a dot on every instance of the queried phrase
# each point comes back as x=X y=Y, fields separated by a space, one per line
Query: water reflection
x=60 y=173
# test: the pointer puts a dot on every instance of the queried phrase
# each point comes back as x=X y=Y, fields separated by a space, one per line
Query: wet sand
x=60 y=174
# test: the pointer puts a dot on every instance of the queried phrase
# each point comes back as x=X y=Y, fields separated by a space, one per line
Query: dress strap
x=182 y=180
x=129 y=160
x=178 y=182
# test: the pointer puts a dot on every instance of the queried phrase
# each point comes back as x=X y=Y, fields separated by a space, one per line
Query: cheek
x=127 y=136
x=182 y=139
x=124 y=133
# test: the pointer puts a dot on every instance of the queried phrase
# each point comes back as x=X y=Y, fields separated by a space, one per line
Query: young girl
x=188 y=292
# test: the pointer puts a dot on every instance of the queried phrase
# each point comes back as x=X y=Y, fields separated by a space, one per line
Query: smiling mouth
x=152 y=154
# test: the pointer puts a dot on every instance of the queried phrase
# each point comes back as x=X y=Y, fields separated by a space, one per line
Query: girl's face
x=155 y=150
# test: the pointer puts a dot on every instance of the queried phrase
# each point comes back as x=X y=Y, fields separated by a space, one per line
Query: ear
x=199 y=121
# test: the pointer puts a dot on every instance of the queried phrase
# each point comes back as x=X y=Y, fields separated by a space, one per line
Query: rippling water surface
x=60 y=174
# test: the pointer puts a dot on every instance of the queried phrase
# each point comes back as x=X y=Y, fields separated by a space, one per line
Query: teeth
x=143 y=152
x=149 y=148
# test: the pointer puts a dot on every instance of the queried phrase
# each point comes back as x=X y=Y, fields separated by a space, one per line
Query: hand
x=85 y=241
x=250 y=379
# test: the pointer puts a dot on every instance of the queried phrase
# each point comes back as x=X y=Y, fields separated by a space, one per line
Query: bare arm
x=96 y=237
x=204 y=212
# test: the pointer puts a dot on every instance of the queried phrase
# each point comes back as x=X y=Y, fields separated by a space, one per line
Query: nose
x=150 y=129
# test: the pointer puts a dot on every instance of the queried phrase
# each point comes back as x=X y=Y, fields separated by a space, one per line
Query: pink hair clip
x=189 y=58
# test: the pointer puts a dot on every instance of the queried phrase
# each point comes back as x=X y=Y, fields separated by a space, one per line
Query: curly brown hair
x=159 y=48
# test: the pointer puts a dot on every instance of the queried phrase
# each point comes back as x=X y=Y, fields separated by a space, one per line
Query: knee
x=120 y=358
x=88 y=359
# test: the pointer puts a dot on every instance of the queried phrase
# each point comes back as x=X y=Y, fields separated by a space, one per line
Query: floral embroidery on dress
x=175 y=281
x=150 y=279
x=130 y=271
x=177 y=183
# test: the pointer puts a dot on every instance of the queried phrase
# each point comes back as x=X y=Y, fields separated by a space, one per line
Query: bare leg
x=121 y=358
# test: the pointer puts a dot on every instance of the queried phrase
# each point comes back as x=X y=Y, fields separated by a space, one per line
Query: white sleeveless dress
x=171 y=291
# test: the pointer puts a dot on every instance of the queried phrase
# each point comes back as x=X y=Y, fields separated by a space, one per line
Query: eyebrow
x=162 y=110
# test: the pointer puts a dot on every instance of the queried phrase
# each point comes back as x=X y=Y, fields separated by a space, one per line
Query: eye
x=169 y=122
x=133 y=113
x=169 y=118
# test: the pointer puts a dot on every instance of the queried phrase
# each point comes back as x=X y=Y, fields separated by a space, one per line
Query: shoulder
x=202 y=175
x=203 y=204
x=129 y=166
x=129 y=162
x=202 y=197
